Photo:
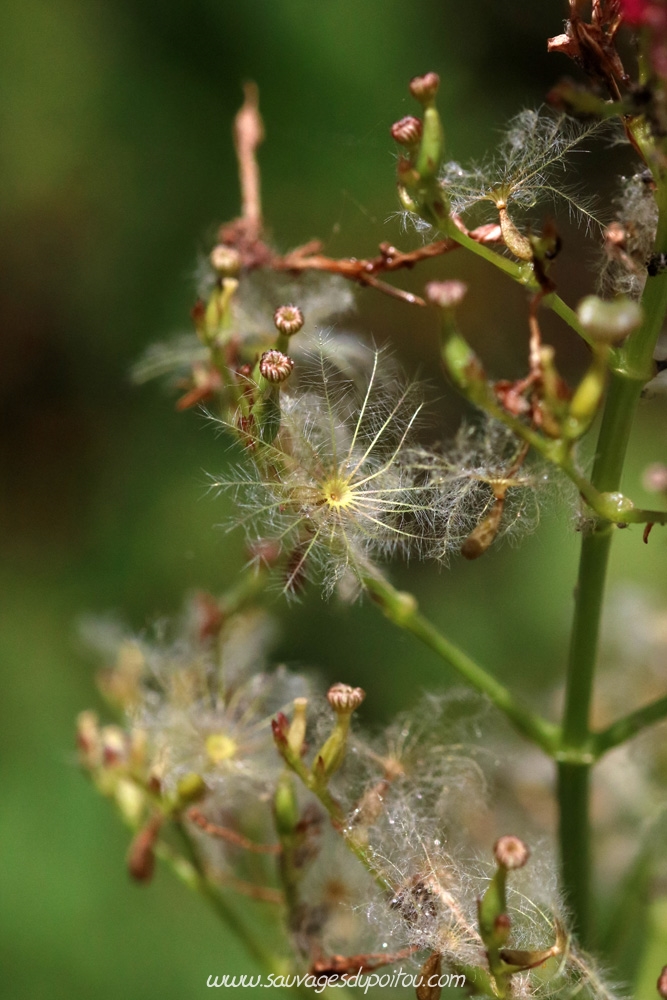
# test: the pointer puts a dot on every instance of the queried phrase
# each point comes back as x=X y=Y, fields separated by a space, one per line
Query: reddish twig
x=248 y=135
x=261 y=892
x=230 y=836
x=364 y=271
x=348 y=965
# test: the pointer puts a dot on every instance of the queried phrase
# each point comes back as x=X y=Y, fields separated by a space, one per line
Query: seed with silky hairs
x=288 y=320
x=345 y=699
x=511 y=852
x=407 y=131
x=424 y=88
x=446 y=294
x=275 y=366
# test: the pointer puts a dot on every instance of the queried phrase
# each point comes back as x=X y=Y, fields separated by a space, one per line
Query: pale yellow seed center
x=336 y=493
x=220 y=747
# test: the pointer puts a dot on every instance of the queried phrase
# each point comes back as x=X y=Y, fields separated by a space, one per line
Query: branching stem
x=634 y=369
x=402 y=610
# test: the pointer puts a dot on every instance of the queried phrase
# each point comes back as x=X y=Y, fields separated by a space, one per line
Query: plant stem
x=190 y=872
x=627 y=727
x=522 y=273
x=401 y=609
x=633 y=369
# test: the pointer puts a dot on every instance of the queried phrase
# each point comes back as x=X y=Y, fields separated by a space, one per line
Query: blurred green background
x=116 y=167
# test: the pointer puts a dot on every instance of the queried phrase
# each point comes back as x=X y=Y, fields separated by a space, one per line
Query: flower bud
x=609 y=322
x=141 y=856
x=280 y=729
x=587 y=396
x=275 y=366
x=285 y=806
x=191 y=788
x=296 y=737
x=88 y=738
x=345 y=699
x=114 y=746
x=225 y=260
x=288 y=320
x=130 y=799
x=494 y=926
x=407 y=131
x=510 y=852
x=446 y=294
x=217 y=315
x=424 y=88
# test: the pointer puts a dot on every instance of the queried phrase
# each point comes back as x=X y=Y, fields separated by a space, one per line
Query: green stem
x=401 y=609
x=521 y=273
x=573 y=790
x=627 y=727
x=633 y=369
x=190 y=871
x=336 y=815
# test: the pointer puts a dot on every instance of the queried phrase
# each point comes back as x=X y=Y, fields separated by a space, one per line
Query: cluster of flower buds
x=290 y=737
x=121 y=768
x=495 y=925
x=424 y=142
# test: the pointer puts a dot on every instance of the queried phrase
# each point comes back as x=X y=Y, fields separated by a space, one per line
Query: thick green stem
x=633 y=369
x=401 y=609
x=573 y=789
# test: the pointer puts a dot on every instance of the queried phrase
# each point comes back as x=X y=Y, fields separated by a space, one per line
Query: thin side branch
x=630 y=725
x=248 y=135
x=230 y=836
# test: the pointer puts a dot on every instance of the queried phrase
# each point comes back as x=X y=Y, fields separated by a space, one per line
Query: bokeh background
x=116 y=167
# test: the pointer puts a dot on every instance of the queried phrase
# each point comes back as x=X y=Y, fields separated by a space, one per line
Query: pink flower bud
x=424 y=88
x=288 y=320
x=275 y=366
x=446 y=294
x=407 y=131
x=345 y=699
x=511 y=852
